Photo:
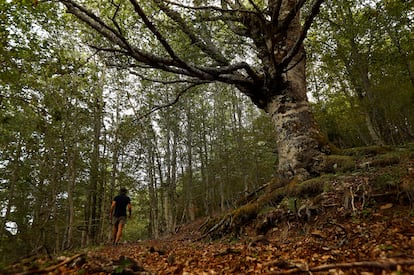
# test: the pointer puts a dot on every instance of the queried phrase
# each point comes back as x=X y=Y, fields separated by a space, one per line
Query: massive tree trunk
x=300 y=149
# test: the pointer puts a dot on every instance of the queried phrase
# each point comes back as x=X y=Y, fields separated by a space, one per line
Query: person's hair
x=123 y=190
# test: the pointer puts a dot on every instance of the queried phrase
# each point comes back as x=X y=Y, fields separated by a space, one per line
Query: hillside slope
x=360 y=222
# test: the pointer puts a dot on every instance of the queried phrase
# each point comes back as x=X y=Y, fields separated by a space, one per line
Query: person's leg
x=115 y=230
x=121 y=223
x=119 y=232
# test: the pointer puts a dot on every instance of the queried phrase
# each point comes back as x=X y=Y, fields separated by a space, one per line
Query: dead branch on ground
x=382 y=264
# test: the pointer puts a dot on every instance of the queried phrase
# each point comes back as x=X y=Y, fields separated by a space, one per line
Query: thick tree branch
x=110 y=50
x=274 y=6
x=113 y=19
x=158 y=35
x=291 y=15
x=235 y=11
x=232 y=69
x=95 y=22
x=111 y=34
x=229 y=16
x=258 y=11
x=299 y=42
x=166 y=82
x=203 y=44
x=173 y=64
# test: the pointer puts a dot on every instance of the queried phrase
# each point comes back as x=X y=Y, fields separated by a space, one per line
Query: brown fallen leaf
x=386 y=206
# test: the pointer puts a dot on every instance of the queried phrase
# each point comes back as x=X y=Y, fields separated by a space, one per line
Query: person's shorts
x=120 y=220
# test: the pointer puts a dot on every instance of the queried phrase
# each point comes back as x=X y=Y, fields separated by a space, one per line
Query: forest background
x=74 y=129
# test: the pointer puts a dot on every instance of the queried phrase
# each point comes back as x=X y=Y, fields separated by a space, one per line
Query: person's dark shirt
x=122 y=202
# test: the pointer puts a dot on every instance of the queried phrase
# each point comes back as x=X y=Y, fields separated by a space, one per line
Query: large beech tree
x=254 y=45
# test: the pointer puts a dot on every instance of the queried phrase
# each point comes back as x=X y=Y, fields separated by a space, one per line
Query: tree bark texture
x=299 y=151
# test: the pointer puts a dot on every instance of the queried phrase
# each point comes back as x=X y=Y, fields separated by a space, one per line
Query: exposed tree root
x=233 y=222
x=308 y=198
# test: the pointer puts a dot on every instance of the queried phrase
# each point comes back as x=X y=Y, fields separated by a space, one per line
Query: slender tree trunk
x=71 y=208
x=15 y=167
x=371 y=129
x=56 y=231
x=370 y=113
x=170 y=188
x=151 y=168
x=404 y=55
x=203 y=157
x=188 y=181
x=152 y=190
x=102 y=206
x=94 y=175
x=357 y=65
x=171 y=147
x=114 y=169
x=161 y=218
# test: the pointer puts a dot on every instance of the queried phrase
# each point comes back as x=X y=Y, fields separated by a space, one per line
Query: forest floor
x=369 y=232
x=380 y=243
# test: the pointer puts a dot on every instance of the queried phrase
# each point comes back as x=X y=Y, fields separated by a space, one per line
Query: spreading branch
x=204 y=43
x=210 y=8
x=166 y=82
x=169 y=104
x=306 y=26
x=252 y=23
x=173 y=63
x=291 y=15
x=159 y=36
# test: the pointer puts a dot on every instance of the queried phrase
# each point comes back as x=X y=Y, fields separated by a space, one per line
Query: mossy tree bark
x=298 y=146
x=300 y=150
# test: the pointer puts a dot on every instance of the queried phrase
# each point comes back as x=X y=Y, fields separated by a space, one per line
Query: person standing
x=118 y=214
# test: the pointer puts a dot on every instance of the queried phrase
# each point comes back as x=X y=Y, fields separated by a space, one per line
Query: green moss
x=324 y=142
x=265 y=210
x=387 y=181
x=273 y=197
x=338 y=163
x=293 y=204
x=367 y=151
x=246 y=210
x=240 y=217
x=311 y=188
x=385 y=160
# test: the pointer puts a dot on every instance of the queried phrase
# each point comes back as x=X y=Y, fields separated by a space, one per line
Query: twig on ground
x=53 y=267
x=383 y=264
